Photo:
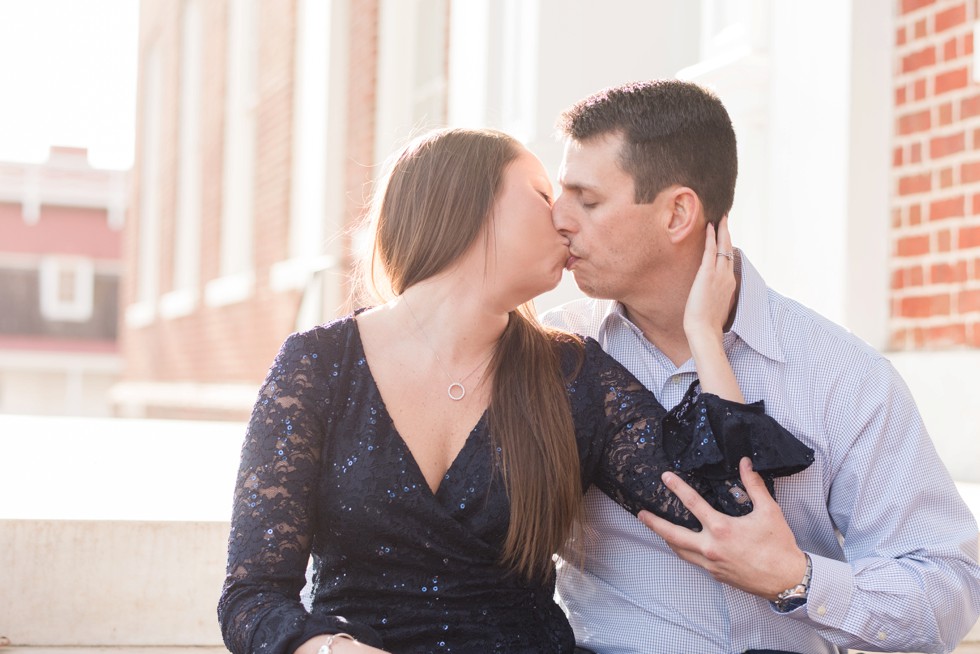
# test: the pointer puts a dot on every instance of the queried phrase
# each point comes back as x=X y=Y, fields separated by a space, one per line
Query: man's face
x=615 y=243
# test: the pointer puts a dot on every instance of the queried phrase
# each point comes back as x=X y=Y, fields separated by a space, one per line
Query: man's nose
x=560 y=214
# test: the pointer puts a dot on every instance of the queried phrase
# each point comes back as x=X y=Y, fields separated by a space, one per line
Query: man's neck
x=663 y=327
x=662 y=322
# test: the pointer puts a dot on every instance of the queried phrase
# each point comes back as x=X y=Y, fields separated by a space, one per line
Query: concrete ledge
x=120 y=537
x=104 y=583
x=141 y=571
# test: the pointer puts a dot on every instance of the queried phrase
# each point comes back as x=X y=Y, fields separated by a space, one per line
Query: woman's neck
x=456 y=322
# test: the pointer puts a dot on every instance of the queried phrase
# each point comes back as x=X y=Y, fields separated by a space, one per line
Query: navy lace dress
x=324 y=472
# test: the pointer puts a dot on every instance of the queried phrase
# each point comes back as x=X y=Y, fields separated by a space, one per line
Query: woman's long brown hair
x=432 y=204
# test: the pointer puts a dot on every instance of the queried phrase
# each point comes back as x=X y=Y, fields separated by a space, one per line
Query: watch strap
x=796 y=596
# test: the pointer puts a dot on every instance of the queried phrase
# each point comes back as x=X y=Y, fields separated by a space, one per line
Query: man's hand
x=756 y=553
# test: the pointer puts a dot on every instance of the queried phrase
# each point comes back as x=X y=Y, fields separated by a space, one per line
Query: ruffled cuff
x=707 y=436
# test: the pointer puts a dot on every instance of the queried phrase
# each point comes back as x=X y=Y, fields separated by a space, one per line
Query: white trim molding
x=139 y=314
x=177 y=304
x=229 y=289
x=294 y=274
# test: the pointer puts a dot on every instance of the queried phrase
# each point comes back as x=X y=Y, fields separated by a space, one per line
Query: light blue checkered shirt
x=893 y=545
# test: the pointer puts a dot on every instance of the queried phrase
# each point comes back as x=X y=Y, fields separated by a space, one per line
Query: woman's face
x=526 y=254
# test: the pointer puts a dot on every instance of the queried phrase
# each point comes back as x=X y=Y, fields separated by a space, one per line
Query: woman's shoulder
x=336 y=328
x=592 y=370
x=330 y=338
x=580 y=355
x=573 y=342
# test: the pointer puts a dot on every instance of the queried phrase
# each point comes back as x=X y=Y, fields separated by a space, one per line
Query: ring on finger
x=728 y=255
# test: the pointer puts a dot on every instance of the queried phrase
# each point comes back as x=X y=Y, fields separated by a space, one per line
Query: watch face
x=792 y=603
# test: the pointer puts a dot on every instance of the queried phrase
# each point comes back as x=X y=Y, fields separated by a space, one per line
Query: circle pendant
x=459 y=392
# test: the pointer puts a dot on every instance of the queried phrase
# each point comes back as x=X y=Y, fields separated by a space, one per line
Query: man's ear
x=686 y=214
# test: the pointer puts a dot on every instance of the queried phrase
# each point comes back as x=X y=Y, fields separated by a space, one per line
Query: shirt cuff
x=829 y=596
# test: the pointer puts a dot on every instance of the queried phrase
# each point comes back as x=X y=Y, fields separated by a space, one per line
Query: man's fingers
x=677 y=537
x=754 y=484
x=689 y=497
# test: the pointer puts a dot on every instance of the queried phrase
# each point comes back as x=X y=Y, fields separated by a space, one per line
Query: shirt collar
x=612 y=312
x=752 y=323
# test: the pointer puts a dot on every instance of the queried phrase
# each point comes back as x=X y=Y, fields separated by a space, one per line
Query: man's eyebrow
x=575 y=186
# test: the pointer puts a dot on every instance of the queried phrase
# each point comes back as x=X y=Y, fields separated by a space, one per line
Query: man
x=869 y=548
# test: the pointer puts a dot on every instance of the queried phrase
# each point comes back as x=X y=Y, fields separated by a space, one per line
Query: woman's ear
x=686 y=214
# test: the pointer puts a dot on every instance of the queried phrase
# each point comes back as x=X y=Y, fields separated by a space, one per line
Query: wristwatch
x=795 y=597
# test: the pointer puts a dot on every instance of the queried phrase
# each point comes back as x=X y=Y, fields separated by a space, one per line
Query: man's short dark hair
x=674 y=132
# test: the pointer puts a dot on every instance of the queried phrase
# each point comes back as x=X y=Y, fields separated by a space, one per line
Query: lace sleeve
x=272 y=520
x=701 y=440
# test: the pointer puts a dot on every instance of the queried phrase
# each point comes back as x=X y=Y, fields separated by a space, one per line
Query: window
x=728 y=26
x=494 y=65
x=67 y=285
x=429 y=95
x=148 y=221
x=187 y=229
x=319 y=143
x=412 y=70
x=519 y=81
x=238 y=179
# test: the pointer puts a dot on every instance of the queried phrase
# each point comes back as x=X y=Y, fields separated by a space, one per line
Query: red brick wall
x=233 y=343
x=363 y=84
x=936 y=194
x=236 y=343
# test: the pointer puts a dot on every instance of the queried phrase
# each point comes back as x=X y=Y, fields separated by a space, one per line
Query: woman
x=432 y=452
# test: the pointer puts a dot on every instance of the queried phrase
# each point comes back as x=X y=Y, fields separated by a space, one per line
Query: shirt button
x=676 y=380
x=822 y=610
x=882 y=635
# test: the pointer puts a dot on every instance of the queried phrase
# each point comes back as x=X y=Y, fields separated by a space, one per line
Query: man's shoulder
x=583 y=316
x=803 y=332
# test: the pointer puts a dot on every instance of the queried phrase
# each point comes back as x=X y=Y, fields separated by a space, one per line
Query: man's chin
x=589 y=288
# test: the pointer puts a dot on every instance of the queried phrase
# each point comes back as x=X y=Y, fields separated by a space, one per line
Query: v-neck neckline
x=458 y=459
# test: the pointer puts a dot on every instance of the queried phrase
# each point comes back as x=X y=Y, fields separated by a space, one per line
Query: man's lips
x=570 y=262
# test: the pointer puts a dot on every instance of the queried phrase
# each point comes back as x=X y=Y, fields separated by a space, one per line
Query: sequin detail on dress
x=396 y=565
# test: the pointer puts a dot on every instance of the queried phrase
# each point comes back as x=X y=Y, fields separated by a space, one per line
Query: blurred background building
x=60 y=262
x=261 y=125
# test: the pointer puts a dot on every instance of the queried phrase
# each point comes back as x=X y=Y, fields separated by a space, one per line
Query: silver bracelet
x=327 y=647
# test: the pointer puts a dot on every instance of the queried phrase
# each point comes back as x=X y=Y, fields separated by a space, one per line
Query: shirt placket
x=667 y=381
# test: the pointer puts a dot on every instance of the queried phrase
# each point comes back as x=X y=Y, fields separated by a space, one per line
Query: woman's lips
x=571 y=262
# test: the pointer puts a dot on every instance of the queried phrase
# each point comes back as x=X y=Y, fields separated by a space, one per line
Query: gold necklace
x=456 y=390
